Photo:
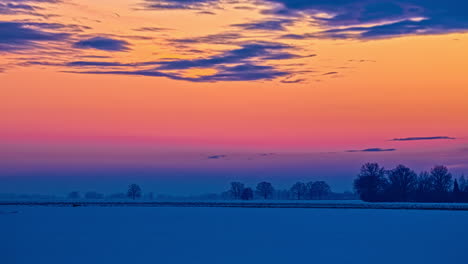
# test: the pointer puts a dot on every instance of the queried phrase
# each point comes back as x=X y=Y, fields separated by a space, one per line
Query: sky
x=184 y=96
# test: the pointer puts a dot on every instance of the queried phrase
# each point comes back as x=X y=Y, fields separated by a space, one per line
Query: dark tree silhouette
x=134 y=191
x=247 y=194
x=463 y=184
x=318 y=189
x=441 y=182
x=299 y=190
x=74 y=195
x=403 y=183
x=371 y=183
x=236 y=189
x=282 y=194
x=424 y=187
x=457 y=194
x=265 y=190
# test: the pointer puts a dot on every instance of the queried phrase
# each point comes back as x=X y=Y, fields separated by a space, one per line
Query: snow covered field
x=167 y=235
x=331 y=204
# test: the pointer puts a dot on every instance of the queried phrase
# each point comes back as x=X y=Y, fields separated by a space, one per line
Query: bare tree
x=299 y=190
x=265 y=190
x=134 y=191
x=457 y=194
x=282 y=194
x=442 y=181
x=371 y=183
x=236 y=189
x=463 y=183
x=403 y=182
x=318 y=189
x=424 y=186
x=247 y=194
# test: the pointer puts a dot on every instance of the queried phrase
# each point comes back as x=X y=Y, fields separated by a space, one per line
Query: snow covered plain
x=170 y=235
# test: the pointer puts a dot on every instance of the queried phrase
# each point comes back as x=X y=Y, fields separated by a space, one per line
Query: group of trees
x=265 y=190
x=133 y=192
x=311 y=190
x=373 y=184
x=402 y=184
x=239 y=192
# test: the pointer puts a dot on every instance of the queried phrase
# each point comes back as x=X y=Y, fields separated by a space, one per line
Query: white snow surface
x=173 y=235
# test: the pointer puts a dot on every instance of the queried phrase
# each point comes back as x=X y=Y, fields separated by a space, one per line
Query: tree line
x=238 y=191
x=401 y=184
x=313 y=190
x=133 y=192
x=373 y=184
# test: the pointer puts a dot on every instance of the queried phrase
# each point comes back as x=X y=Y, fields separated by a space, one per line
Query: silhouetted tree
x=247 y=194
x=403 y=183
x=318 y=189
x=424 y=187
x=441 y=182
x=282 y=194
x=371 y=183
x=463 y=184
x=310 y=189
x=74 y=195
x=265 y=190
x=457 y=194
x=236 y=189
x=134 y=191
x=299 y=190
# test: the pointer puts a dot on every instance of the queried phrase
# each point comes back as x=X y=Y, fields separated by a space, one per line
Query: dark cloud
x=32 y=1
x=380 y=18
x=241 y=64
x=243 y=72
x=18 y=36
x=206 y=13
x=95 y=57
x=244 y=8
x=293 y=81
x=422 y=138
x=221 y=38
x=243 y=56
x=247 y=52
x=14 y=9
x=297 y=36
x=57 y=26
x=23 y=7
x=178 y=4
x=266 y=154
x=151 y=29
x=267 y=25
x=102 y=43
x=217 y=157
x=96 y=64
x=330 y=73
x=372 y=150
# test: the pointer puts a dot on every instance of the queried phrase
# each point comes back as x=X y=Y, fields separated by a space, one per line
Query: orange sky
x=353 y=94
